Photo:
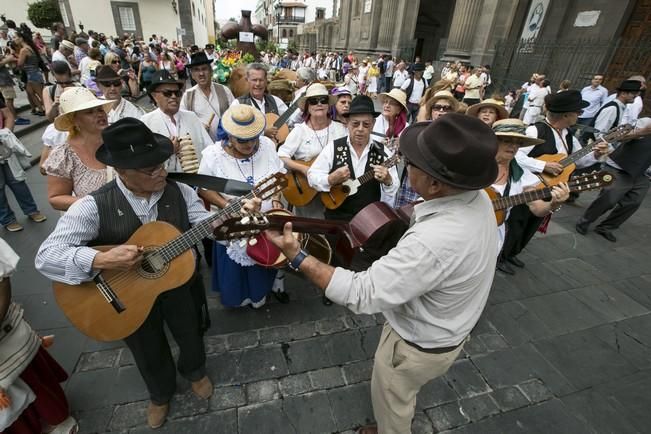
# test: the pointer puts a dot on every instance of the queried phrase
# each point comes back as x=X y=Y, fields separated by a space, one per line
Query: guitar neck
x=519 y=199
x=613 y=135
x=576 y=156
x=282 y=119
x=368 y=176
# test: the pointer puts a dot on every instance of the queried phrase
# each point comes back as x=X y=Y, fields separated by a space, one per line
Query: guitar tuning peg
x=253 y=242
x=242 y=243
x=245 y=220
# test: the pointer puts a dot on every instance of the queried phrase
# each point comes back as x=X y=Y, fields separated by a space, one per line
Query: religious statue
x=245 y=33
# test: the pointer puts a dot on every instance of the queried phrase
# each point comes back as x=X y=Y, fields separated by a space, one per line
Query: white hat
x=67 y=44
x=396 y=94
x=75 y=99
x=244 y=122
x=316 y=89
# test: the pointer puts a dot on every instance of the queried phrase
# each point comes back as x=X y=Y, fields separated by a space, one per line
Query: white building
x=283 y=17
x=190 y=21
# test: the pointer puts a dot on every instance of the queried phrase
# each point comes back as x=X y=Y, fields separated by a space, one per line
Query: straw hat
x=442 y=94
x=244 y=122
x=473 y=110
x=75 y=99
x=397 y=95
x=315 y=89
x=515 y=128
x=67 y=44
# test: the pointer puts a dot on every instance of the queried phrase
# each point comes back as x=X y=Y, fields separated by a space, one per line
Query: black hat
x=106 y=73
x=456 y=149
x=162 y=77
x=198 y=58
x=129 y=144
x=565 y=102
x=630 y=86
x=360 y=105
x=418 y=67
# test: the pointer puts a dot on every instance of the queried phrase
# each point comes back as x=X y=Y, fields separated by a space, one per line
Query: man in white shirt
x=210 y=51
x=612 y=113
x=400 y=75
x=256 y=76
x=472 y=86
x=633 y=110
x=596 y=95
x=66 y=49
x=208 y=100
x=172 y=122
x=433 y=285
x=110 y=83
x=414 y=88
x=388 y=74
x=536 y=99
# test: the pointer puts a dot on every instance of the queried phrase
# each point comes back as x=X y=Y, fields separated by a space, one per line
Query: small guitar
x=298 y=191
x=115 y=303
x=567 y=161
x=280 y=122
x=338 y=193
x=590 y=181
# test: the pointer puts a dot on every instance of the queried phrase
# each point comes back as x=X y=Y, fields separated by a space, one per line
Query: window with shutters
x=127 y=19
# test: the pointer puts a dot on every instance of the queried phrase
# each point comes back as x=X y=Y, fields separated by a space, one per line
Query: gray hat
x=80 y=41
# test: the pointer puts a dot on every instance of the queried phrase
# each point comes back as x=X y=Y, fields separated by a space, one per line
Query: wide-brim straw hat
x=473 y=110
x=514 y=129
x=314 y=90
x=243 y=122
x=442 y=94
x=67 y=44
x=76 y=99
x=396 y=95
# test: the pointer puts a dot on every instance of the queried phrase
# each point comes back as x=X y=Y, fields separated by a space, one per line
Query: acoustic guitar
x=115 y=303
x=567 y=161
x=280 y=122
x=298 y=191
x=338 y=193
x=590 y=181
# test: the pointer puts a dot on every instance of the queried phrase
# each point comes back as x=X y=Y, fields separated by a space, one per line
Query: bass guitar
x=115 y=303
x=568 y=161
x=590 y=181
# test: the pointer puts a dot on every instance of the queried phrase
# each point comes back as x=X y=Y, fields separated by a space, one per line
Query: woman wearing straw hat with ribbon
x=488 y=111
x=393 y=118
x=249 y=156
x=513 y=179
x=441 y=103
x=306 y=141
x=72 y=169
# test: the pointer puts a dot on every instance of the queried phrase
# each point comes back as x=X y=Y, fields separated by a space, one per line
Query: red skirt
x=50 y=407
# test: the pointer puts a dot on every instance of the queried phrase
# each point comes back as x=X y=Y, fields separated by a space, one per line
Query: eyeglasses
x=170 y=93
x=114 y=62
x=157 y=170
x=318 y=100
x=64 y=83
x=441 y=108
x=115 y=83
x=357 y=124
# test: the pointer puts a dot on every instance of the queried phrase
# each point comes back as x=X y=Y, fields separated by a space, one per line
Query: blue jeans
x=21 y=192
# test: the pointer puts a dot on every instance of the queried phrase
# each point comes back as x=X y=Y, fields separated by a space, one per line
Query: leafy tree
x=44 y=13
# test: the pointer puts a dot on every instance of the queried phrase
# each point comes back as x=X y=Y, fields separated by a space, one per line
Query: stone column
x=388 y=23
x=462 y=30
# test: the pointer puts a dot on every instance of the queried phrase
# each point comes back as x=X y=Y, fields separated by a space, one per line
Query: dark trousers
x=471 y=101
x=521 y=226
x=151 y=350
x=624 y=196
x=21 y=192
x=413 y=111
x=387 y=83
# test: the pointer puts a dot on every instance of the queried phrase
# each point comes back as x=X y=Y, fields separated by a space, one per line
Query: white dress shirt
x=399 y=77
x=607 y=117
x=416 y=91
x=318 y=173
x=125 y=109
x=596 y=97
x=204 y=107
x=185 y=122
x=433 y=286
x=282 y=107
x=64 y=255
x=537 y=166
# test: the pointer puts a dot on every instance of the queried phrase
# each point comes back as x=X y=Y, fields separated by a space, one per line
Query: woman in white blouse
x=247 y=156
x=306 y=141
x=394 y=114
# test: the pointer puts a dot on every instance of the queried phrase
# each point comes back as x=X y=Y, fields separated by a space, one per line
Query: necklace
x=249 y=179
x=322 y=145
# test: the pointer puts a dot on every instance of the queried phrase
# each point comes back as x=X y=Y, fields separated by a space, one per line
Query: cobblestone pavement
x=563 y=346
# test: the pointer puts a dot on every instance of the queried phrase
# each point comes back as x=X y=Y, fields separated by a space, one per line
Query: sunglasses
x=441 y=108
x=318 y=100
x=170 y=93
x=114 y=62
x=114 y=83
x=64 y=83
x=152 y=171
x=245 y=141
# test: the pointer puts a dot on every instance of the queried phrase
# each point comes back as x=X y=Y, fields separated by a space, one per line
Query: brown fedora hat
x=456 y=149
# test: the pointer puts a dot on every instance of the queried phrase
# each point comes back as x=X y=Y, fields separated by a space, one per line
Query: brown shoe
x=37 y=217
x=156 y=415
x=369 y=429
x=14 y=227
x=202 y=388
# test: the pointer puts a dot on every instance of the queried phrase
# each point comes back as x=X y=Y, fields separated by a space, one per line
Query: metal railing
x=285 y=19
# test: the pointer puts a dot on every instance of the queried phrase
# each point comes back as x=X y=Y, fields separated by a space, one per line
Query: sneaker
x=37 y=217
x=14 y=227
x=22 y=121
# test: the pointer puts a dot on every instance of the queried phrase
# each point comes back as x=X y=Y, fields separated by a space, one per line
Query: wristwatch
x=295 y=263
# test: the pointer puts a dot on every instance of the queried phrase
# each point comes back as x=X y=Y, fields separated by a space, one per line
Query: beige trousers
x=399 y=372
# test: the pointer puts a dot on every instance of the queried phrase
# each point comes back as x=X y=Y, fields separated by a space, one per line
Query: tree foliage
x=44 y=13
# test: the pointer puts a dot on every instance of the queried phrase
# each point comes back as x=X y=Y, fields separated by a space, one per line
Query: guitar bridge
x=108 y=294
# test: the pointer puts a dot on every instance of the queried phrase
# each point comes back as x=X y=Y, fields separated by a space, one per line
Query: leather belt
x=441 y=350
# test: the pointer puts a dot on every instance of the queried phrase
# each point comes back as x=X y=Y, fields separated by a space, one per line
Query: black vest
x=269 y=103
x=546 y=133
x=368 y=192
x=634 y=157
x=594 y=119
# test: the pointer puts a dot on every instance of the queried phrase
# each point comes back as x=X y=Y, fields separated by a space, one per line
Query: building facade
x=187 y=21
x=284 y=19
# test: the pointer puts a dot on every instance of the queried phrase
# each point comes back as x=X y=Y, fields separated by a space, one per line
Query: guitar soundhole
x=345 y=189
x=153 y=266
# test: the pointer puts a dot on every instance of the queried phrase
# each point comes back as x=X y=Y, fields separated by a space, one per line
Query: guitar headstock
x=591 y=181
x=617 y=133
x=269 y=186
x=241 y=226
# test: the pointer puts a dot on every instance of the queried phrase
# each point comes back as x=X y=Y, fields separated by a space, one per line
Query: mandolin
x=115 y=303
x=338 y=193
x=567 y=161
x=590 y=181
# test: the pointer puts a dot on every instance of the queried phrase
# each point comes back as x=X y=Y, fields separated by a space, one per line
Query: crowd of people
x=107 y=162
